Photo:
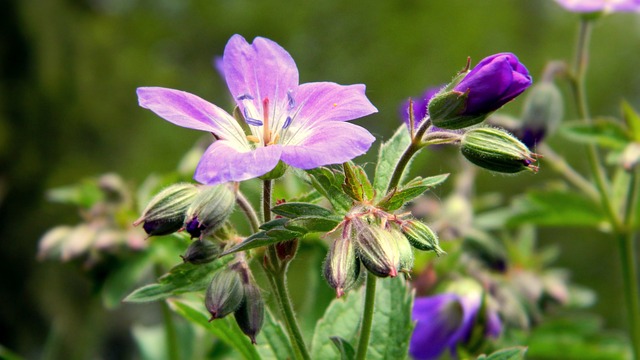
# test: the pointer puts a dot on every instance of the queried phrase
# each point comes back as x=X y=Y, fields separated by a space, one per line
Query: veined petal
x=222 y=162
x=187 y=110
x=323 y=101
x=326 y=143
x=258 y=71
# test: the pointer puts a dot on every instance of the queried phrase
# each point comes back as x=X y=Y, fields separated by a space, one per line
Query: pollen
x=253 y=139
x=335 y=104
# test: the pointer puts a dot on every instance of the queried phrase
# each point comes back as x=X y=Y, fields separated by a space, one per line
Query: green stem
x=402 y=164
x=248 y=211
x=626 y=247
x=171 y=334
x=561 y=166
x=367 y=317
x=277 y=274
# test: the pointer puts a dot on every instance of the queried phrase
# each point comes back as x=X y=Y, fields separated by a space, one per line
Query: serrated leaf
x=557 y=208
x=273 y=342
x=416 y=187
x=312 y=224
x=329 y=184
x=632 y=118
x=344 y=347
x=388 y=156
x=224 y=329
x=392 y=325
x=180 y=279
x=293 y=210
x=513 y=353
x=348 y=310
x=607 y=133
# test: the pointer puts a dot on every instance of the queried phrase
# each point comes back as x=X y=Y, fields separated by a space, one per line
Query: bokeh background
x=69 y=70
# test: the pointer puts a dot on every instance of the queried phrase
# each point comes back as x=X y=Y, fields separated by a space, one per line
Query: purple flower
x=445 y=321
x=495 y=81
x=301 y=124
x=420 y=110
x=588 y=6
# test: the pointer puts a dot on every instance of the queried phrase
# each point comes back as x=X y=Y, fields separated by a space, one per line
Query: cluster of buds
x=233 y=290
x=380 y=241
x=200 y=210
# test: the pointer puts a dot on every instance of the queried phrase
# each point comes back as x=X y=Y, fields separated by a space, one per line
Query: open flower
x=301 y=124
x=588 y=6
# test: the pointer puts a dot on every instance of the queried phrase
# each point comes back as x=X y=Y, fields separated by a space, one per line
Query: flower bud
x=421 y=236
x=286 y=250
x=342 y=267
x=496 y=150
x=250 y=314
x=201 y=252
x=224 y=294
x=209 y=210
x=543 y=110
x=406 y=253
x=377 y=250
x=495 y=81
x=165 y=212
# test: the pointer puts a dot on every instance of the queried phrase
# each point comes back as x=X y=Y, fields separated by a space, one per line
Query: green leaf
x=293 y=210
x=416 y=187
x=329 y=184
x=632 y=118
x=224 y=329
x=607 y=133
x=557 y=208
x=256 y=240
x=388 y=156
x=182 y=278
x=392 y=323
x=356 y=183
x=312 y=224
x=84 y=194
x=273 y=342
x=512 y=353
x=122 y=279
x=341 y=319
x=344 y=347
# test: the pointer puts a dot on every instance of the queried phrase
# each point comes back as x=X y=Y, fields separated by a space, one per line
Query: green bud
x=209 y=210
x=496 y=150
x=445 y=107
x=225 y=293
x=250 y=314
x=276 y=172
x=377 y=249
x=201 y=252
x=421 y=236
x=165 y=213
x=342 y=267
x=406 y=253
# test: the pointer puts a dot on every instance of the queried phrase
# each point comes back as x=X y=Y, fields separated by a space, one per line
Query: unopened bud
x=377 y=250
x=209 y=210
x=224 y=294
x=276 y=172
x=342 y=267
x=406 y=253
x=250 y=314
x=201 y=252
x=421 y=236
x=166 y=211
x=543 y=110
x=286 y=250
x=496 y=150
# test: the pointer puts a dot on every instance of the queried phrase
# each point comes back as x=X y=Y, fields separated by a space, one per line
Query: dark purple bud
x=209 y=210
x=250 y=314
x=194 y=228
x=225 y=293
x=201 y=252
x=165 y=212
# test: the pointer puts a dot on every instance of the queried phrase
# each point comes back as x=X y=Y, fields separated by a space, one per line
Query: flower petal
x=222 y=162
x=260 y=70
x=437 y=320
x=330 y=142
x=324 y=101
x=187 y=110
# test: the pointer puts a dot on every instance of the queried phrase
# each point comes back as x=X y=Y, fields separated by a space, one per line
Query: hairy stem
x=248 y=211
x=627 y=249
x=558 y=164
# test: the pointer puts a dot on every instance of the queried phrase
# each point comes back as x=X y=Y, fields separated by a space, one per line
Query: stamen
x=244 y=97
x=290 y=100
x=250 y=120
x=253 y=139
x=287 y=122
x=266 y=132
x=274 y=140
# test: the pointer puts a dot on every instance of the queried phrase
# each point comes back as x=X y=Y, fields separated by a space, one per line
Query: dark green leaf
x=329 y=184
x=513 y=353
x=632 y=118
x=341 y=319
x=273 y=342
x=312 y=224
x=182 y=278
x=344 y=347
x=392 y=323
x=388 y=156
x=557 y=208
x=284 y=234
x=293 y=210
x=275 y=223
x=607 y=133
x=256 y=240
x=224 y=329
x=416 y=187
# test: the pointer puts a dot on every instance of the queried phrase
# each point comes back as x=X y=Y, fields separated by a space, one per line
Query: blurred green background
x=69 y=70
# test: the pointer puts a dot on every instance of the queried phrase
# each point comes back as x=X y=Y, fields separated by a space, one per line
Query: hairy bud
x=225 y=293
x=201 y=252
x=166 y=211
x=421 y=236
x=209 y=210
x=342 y=267
x=377 y=249
x=496 y=150
x=250 y=314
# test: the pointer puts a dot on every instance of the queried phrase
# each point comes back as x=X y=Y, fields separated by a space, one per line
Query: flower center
x=269 y=126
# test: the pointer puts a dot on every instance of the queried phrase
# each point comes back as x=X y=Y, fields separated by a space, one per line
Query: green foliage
x=293 y=210
x=329 y=183
x=514 y=353
x=344 y=347
x=123 y=278
x=348 y=310
x=557 y=208
x=605 y=132
x=273 y=342
x=388 y=156
x=396 y=198
x=356 y=183
x=182 y=278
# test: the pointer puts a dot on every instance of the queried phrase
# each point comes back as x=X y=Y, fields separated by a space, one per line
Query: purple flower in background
x=445 y=321
x=495 y=81
x=588 y=6
x=419 y=107
x=301 y=124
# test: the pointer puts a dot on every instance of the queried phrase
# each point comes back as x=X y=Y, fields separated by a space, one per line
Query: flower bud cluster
x=199 y=209
x=233 y=290
x=377 y=240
